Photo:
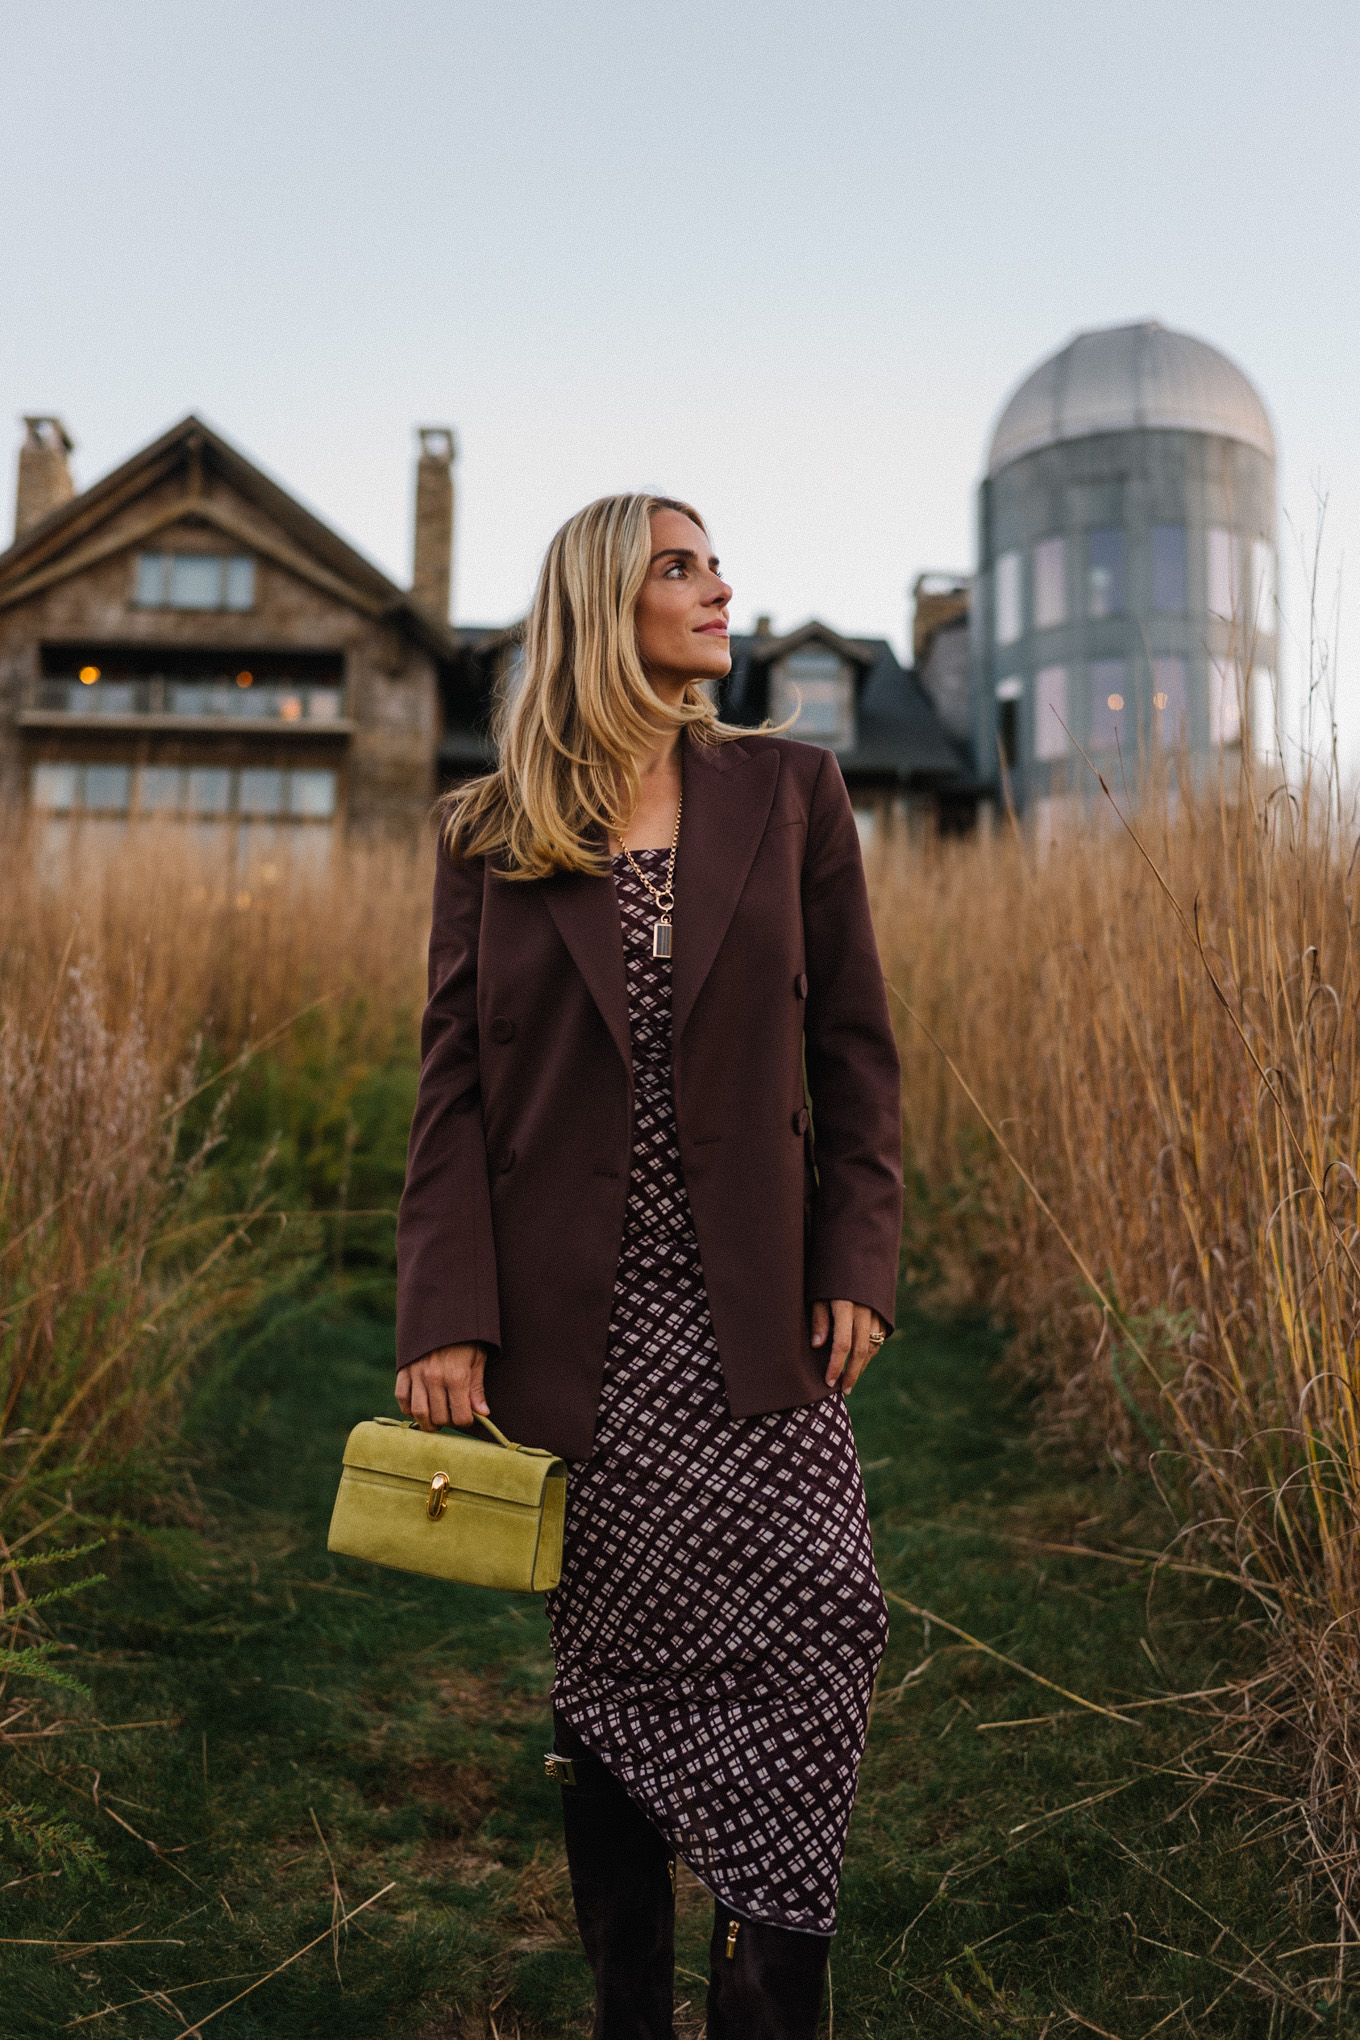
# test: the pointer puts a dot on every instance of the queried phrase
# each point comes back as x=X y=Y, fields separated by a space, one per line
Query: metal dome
x=1123 y=378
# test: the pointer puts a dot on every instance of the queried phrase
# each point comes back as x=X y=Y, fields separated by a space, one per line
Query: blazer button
x=800 y=1120
x=800 y=985
x=502 y=1030
x=505 y=1161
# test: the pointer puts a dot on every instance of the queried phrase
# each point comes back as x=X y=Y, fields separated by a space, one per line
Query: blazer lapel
x=728 y=791
x=586 y=911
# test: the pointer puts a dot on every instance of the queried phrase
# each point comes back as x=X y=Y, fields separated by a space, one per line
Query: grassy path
x=329 y=1733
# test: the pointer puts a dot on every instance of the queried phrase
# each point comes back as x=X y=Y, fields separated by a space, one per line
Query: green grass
x=319 y=1716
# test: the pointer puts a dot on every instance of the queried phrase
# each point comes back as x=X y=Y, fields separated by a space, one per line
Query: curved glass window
x=1169 y=580
x=1263 y=588
x=1050 y=712
x=1009 y=694
x=1104 y=573
x=1050 y=583
x=1009 y=618
x=1225 y=701
x=1223 y=554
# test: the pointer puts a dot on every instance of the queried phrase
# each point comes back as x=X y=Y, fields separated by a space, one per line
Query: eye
x=675 y=567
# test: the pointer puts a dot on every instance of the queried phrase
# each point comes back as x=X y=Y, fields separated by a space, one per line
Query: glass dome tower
x=1126 y=561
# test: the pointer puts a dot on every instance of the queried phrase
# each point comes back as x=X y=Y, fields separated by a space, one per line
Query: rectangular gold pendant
x=661 y=938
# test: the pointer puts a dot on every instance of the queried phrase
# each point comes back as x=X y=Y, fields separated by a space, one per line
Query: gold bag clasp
x=439 y=1495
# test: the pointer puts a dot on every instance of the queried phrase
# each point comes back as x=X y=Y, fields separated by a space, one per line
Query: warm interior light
x=88 y=675
x=245 y=679
x=290 y=708
x=1159 y=700
x=1116 y=702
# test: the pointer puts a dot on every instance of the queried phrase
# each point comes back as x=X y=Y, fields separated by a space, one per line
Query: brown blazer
x=512 y=1217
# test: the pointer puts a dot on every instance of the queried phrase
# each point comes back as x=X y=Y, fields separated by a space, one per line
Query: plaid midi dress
x=719 y=1623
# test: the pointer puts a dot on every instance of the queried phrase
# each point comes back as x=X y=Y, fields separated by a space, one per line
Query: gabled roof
x=765 y=649
x=899 y=736
x=76 y=536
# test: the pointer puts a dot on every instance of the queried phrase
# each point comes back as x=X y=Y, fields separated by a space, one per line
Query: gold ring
x=877 y=1338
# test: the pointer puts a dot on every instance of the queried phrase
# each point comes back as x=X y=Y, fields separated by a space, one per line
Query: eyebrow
x=682 y=552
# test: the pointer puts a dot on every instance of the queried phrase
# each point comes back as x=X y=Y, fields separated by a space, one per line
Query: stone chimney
x=432 y=566
x=763 y=626
x=939 y=643
x=44 y=476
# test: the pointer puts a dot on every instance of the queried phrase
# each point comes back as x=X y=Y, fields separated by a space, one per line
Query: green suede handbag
x=450 y=1505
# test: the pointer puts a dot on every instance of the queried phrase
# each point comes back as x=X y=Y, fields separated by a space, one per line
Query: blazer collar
x=728 y=791
x=586 y=911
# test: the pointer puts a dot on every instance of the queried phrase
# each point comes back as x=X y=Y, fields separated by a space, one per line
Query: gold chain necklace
x=664 y=894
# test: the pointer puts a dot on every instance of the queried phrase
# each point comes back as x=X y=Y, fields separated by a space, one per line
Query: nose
x=722 y=593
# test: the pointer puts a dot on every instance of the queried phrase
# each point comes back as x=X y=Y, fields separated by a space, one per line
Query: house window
x=56 y=787
x=1009 y=622
x=1009 y=694
x=1104 y=573
x=311 y=794
x=254 y=792
x=98 y=789
x=1168 y=569
x=242 y=696
x=1050 y=712
x=1050 y=583
x=159 y=789
x=209 y=790
x=818 y=687
x=108 y=789
x=194 y=581
x=1111 y=708
x=260 y=790
x=1170 y=703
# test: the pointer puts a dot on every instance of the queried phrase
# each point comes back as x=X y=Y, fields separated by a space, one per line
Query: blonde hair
x=570 y=736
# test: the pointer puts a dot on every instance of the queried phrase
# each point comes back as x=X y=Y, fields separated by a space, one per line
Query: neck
x=663 y=757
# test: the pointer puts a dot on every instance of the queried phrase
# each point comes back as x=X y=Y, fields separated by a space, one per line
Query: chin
x=717 y=663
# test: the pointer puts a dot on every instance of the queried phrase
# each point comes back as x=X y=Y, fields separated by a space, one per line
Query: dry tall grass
x=1163 y=1031
x=132 y=982
x=1161 y=1025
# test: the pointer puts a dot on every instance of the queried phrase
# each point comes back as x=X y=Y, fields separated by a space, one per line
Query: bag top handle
x=410 y=1424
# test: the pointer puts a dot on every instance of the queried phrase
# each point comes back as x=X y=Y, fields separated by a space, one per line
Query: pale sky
x=783 y=260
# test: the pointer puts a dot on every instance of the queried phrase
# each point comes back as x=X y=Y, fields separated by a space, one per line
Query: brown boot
x=765 y=1983
x=623 y=1885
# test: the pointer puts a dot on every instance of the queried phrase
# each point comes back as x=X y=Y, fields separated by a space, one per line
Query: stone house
x=184 y=639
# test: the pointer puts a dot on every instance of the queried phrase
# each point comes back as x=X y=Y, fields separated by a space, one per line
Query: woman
x=637 y=1230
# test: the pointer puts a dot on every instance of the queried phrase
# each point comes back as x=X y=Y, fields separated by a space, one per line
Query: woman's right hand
x=444 y=1388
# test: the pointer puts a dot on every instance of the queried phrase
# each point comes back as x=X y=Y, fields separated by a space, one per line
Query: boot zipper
x=732 y=1939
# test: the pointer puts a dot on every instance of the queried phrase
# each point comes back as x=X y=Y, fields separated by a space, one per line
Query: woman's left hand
x=856 y=1334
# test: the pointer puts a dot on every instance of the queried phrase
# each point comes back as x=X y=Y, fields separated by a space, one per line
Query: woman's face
x=682 y=610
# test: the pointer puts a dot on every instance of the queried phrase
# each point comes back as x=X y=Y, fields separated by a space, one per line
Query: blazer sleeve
x=854 y=1074
x=446 y=1257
